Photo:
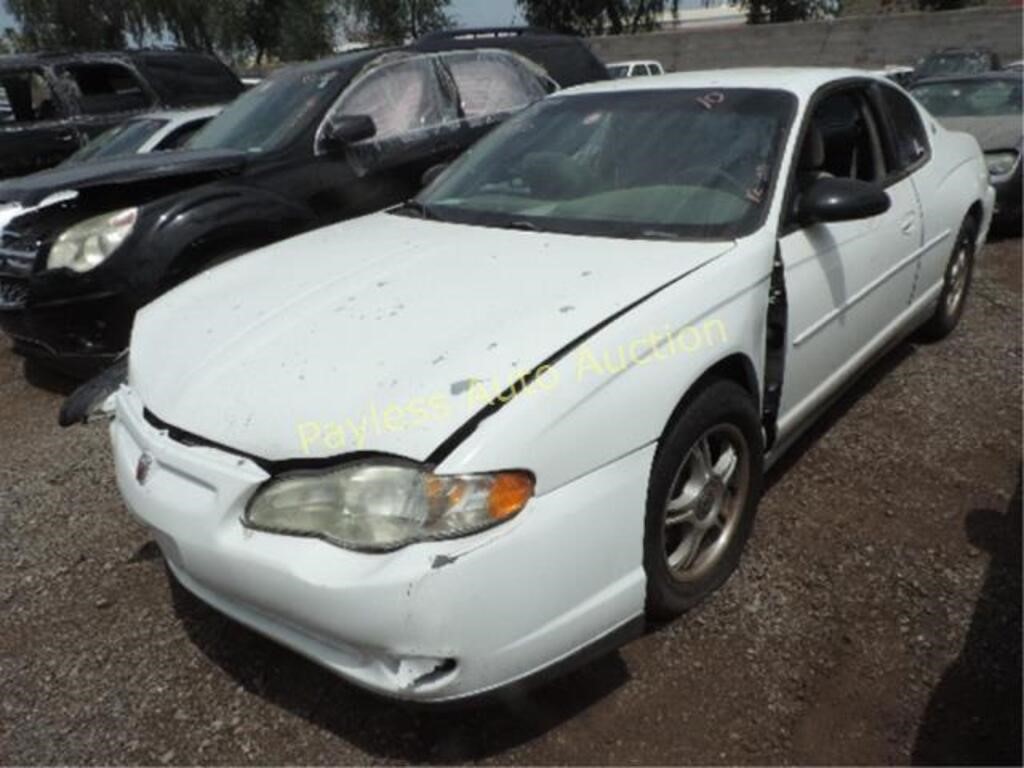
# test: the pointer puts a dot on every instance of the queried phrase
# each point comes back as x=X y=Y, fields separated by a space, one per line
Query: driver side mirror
x=831 y=199
x=344 y=130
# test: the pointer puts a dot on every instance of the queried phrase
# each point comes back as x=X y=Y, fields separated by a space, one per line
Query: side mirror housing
x=339 y=132
x=829 y=199
x=432 y=174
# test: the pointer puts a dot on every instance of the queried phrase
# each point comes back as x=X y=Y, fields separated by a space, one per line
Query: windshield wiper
x=528 y=226
x=415 y=206
x=657 y=234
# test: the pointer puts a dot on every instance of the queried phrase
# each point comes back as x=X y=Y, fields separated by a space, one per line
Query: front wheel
x=955 y=284
x=702 y=497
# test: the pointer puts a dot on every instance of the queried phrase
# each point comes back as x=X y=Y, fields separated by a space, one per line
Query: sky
x=486 y=13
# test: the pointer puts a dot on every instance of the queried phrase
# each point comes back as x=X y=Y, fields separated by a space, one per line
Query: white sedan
x=447 y=447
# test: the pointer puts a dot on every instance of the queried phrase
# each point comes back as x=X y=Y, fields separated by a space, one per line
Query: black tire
x=956 y=284
x=722 y=414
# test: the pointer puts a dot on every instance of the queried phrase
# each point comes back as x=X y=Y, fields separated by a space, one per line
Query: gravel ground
x=876 y=617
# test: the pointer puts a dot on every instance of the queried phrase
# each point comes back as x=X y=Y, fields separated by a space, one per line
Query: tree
x=395 y=21
x=283 y=29
x=594 y=17
x=308 y=29
x=774 y=11
x=76 y=24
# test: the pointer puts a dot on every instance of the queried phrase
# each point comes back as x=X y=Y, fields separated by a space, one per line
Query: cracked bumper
x=80 y=336
x=435 y=621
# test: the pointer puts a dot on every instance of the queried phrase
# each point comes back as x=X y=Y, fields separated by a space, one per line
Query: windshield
x=971 y=98
x=962 y=63
x=267 y=115
x=618 y=70
x=124 y=139
x=647 y=164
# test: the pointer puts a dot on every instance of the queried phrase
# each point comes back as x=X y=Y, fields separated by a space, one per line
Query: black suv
x=52 y=104
x=82 y=247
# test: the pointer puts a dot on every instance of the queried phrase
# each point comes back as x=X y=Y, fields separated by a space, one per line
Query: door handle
x=907 y=225
x=66 y=137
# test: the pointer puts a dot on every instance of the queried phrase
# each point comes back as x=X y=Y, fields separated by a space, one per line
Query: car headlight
x=90 y=242
x=384 y=505
x=1001 y=163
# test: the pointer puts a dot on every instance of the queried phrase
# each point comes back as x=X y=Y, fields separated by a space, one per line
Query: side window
x=105 y=87
x=908 y=129
x=26 y=97
x=402 y=98
x=641 y=70
x=842 y=140
x=491 y=83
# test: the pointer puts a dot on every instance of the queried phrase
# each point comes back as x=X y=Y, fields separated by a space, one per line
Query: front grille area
x=17 y=252
x=13 y=293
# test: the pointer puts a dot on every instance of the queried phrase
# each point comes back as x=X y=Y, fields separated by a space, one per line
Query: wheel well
x=199 y=255
x=975 y=212
x=736 y=368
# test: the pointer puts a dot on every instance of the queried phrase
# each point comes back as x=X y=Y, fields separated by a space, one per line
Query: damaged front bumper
x=79 y=336
x=435 y=621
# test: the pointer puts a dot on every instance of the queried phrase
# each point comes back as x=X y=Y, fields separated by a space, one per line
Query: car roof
x=801 y=81
x=350 y=60
x=973 y=49
x=49 y=57
x=567 y=59
x=995 y=74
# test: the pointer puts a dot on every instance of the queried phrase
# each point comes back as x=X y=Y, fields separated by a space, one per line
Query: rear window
x=971 y=98
x=190 y=79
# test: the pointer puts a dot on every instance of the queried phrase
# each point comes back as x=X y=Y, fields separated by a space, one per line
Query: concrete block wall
x=864 y=41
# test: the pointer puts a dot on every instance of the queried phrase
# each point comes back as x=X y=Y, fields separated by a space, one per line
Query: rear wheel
x=702 y=498
x=955 y=285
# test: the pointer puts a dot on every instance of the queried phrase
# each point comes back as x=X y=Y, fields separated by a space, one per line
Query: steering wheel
x=715 y=172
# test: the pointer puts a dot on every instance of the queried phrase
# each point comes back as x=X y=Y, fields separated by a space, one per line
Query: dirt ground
x=876 y=617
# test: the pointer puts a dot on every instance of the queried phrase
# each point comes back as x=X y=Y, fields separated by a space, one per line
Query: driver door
x=847 y=282
x=417 y=120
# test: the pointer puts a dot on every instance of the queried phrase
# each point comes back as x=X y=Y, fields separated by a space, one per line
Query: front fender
x=616 y=391
x=181 y=234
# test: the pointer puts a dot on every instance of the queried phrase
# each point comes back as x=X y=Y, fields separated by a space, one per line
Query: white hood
x=336 y=326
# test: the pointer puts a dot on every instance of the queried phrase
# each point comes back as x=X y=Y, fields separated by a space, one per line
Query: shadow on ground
x=385 y=728
x=974 y=714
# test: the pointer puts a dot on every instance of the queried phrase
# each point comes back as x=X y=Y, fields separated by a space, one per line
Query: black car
x=567 y=59
x=989 y=107
x=83 y=247
x=52 y=104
